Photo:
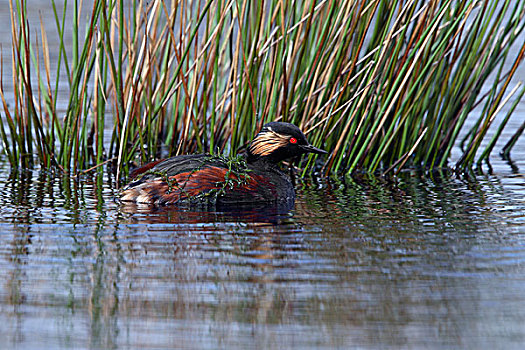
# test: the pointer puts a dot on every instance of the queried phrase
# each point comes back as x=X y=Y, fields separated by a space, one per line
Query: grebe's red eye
x=293 y=140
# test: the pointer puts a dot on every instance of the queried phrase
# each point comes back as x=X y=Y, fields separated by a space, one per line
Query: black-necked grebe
x=254 y=178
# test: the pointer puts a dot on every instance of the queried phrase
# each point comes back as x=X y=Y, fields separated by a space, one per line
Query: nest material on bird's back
x=227 y=174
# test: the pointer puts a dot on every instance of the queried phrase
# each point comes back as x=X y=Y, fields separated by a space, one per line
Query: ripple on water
x=369 y=261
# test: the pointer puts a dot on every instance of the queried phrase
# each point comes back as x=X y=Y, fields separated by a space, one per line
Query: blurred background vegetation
x=382 y=85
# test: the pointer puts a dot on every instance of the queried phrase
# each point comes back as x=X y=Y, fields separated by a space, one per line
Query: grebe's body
x=253 y=179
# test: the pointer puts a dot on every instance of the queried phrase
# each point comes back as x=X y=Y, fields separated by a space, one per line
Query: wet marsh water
x=432 y=260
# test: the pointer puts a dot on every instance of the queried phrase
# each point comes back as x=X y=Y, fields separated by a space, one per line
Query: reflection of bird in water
x=254 y=216
x=253 y=179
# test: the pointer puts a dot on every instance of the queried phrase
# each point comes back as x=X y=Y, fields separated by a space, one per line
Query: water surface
x=422 y=260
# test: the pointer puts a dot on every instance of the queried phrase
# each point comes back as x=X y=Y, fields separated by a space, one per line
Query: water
x=433 y=260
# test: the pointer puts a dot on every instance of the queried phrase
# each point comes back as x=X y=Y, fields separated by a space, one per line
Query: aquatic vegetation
x=382 y=85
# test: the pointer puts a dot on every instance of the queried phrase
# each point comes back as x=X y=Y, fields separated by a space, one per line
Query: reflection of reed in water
x=158 y=272
x=52 y=197
x=408 y=199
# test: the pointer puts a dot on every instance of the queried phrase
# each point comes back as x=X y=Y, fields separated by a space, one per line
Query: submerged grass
x=381 y=85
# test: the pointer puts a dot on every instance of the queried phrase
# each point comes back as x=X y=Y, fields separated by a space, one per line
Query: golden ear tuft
x=266 y=142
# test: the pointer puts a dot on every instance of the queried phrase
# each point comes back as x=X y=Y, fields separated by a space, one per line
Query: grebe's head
x=278 y=141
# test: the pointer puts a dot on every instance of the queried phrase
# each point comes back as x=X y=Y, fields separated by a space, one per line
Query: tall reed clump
x=381 y=84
